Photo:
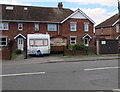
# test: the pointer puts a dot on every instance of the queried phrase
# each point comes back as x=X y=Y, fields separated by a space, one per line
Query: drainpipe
x=119 y=14
x=58 y=29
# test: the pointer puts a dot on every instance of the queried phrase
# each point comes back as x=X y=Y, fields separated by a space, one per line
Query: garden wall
x=75 y=52
x=85 y=51
x=5 y=54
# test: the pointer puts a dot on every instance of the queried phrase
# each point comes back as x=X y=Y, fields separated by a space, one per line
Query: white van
x=38 y=44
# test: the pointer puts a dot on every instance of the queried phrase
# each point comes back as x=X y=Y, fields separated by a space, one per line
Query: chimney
x=60 y=5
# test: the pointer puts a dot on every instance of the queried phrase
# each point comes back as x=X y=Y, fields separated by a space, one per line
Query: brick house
x=18 y=21
x=108 y=29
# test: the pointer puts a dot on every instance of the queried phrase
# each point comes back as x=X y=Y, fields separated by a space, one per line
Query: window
x=52 y=27
x=117 y=28
x=20 y=26
x=9 y=7
x=25 y=8
x=86 y=27
x=3 y=26
x=3 y=41
x=73 y=26
x=73 y=40
x=45 y=42
x=38 y=42
x=36 y=27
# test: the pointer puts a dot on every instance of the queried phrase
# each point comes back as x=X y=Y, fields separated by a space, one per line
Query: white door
x=20 y=43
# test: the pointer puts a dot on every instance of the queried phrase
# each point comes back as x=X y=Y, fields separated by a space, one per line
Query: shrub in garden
x=18 y=51
x=78 y=46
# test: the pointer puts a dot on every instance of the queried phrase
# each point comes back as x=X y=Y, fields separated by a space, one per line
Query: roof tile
x=35 y=13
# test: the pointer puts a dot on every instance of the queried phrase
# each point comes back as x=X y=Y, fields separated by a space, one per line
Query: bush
x=18 y=51
x=78 y=46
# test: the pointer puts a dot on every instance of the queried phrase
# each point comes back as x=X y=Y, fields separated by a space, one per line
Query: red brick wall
x=5 y=54
x=80 y=30
x=107 y=31
x=28 y=28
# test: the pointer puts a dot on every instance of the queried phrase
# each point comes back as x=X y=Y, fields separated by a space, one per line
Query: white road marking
x=21 y=74
x=102 y=68
x=116 y=90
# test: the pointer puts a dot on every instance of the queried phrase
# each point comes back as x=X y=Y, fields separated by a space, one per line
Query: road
x=87 y=75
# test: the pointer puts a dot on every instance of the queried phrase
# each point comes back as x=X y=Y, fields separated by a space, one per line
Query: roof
x=109 y=22
x=44 y=14
x=82 y=13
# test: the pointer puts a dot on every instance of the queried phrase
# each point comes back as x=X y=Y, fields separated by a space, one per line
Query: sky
x=97 y=10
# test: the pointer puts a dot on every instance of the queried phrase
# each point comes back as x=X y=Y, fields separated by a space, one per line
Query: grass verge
x=93 y=55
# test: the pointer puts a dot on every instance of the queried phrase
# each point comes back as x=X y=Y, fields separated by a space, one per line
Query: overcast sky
x=98 y=10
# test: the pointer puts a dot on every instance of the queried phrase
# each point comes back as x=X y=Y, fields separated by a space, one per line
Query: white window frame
x=117 y=28
x=75 y=41
x=52 y=27
x=19 y=26
x=73 y=28
x=86 y=27
x=4 y=26
x=9 y=8
x=36 y=26
x=3 y=41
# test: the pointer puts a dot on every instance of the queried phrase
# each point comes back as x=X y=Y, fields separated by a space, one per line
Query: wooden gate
x=108 y=46
x=58 y=43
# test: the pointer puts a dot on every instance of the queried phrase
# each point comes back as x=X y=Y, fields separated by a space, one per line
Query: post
x=25 y=49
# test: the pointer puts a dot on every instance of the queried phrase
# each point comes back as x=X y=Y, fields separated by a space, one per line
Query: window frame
x=52 y=27
x=75 y=41
x=19 y=26
x=36 y=27
x=71 y=26
x=34 y=44
x=117 y=28
x=86 y=27
x=3 y=41
x=3 y=27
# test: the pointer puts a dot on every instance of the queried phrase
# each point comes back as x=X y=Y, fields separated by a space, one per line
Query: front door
x=20 y=43
x=86 y=42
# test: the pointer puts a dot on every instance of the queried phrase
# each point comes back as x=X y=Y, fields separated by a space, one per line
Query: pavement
x=55 y=59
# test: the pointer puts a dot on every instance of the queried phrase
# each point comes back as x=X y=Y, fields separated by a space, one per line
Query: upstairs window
x=73 y=26
x=36 y=27
x=86 y=27
x=3 y=41
x=25 y=8
x=52 y=27
x=20 y=26
x=9 y=7
x=117 y=28
x=3 y=26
